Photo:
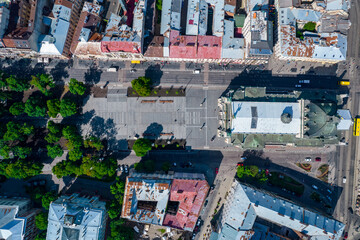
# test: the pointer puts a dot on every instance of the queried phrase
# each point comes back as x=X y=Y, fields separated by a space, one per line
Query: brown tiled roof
x=155 y=48
x=65 y=3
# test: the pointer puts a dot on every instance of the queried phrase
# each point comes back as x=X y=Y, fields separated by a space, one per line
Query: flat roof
x=265 y=117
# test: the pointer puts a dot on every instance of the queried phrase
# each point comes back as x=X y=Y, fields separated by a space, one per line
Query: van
x=111 y=69
x=344 y=83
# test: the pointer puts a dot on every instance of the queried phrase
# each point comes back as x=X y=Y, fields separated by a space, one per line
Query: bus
x=344 y=83
x=357 y=126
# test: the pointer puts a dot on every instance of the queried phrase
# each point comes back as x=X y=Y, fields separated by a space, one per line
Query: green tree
x=142 y=86
x=52 y=137
x=66 y=168
x=117 y=189
x=75 y=154
x=69 y=132
x=119 y=231
x=17 y=108
x=93 y=142
x=43 y=82
x=35 y=107
x=21 y=152
x=47 y=199
x=67 y=107
x=3 y=82
x=142 y=146
x=54 y=127
x=41 y=221
x=310 y=26
x=22 y=169
x=54 y=151
x=53 y=106
x=76 y=87
x=4 y=150
x=166 y=166
x=17 y=131
x=159 y=5
x=113 y=209
x=41 y=236
x=18 y=85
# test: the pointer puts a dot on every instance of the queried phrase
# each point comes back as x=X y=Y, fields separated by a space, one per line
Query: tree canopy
x=17 y=108
x=76 y=87
x=67 y=107
x=53 y=107
x=16 y=131
x=18 y=85
x=93 y=142
x=119 y=231
x=47 y=199
x=142 y=146
x=43 y=82
x=41 y=221
x=54 y=151
x=20 y=168
x=35 y=107
x=142 y=86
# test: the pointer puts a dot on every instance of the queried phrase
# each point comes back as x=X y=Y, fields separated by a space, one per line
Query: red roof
x=120 y=46
x=209 y=47
x=202 y=47
x=191 y=195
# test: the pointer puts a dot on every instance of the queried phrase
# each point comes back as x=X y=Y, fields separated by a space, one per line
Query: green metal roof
x=239 y=20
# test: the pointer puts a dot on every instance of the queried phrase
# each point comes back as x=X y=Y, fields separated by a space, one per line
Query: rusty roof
x=155 y=48
x=191 y=195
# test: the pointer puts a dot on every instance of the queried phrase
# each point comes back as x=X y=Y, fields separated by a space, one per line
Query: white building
x=251 y=214
x=77 y=217
x=17 y=219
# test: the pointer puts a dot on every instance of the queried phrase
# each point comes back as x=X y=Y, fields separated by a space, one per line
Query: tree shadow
x=58 y=72
x=153 y=131
x=155 y=73
x=93 y=75
x=102 y=128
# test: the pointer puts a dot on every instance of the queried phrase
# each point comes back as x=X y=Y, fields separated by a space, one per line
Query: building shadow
x=324 y=189
x=155 y=73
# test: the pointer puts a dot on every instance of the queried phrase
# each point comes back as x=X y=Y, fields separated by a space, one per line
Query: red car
x=216 y=170
x=240 y=164
x=267 y=172
x=345 y=235
x=318 y=159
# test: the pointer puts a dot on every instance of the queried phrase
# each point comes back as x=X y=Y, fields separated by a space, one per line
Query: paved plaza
x=119 y=117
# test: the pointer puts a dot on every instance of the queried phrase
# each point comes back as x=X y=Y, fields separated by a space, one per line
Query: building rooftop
x=54 y=42
x=76 y=217
x=246 y=205
x=345 y=119
x=324 y=43
x=145 y=200
x=332 y=5
x=232 y=47
x=266 y=117
x=190 y=194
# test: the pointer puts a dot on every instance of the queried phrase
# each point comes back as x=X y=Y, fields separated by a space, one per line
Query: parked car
x=197 y=71
x=198 y=222
x=298 y=86
x=206 y=202
x=346 y=235
x=304 y=81
x=240 y=164
x=126 y=168
x=315 y=187
x=243 y=158
x=216 y=170
x=308 y=159
x=329 y=191
x=344 y=179
x=318 y=159
x=133 y=70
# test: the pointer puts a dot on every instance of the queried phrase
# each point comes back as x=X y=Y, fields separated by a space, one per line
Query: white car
x=298 y=86
x=315 y=187
x=126 y=168
x=344 y=179
x=308 y=159
x=197 y=71
x=304 y=81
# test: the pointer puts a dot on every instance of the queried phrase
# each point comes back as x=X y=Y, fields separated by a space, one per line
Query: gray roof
x=345 y=119
x=337 y=5
x=231 y=47
x=74 y=217
x=245 y=204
